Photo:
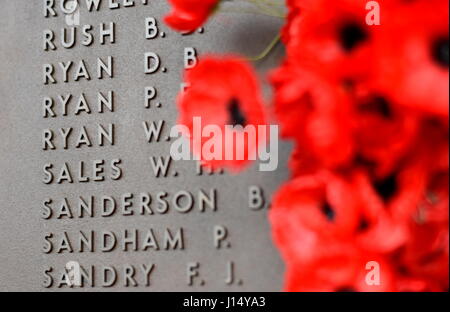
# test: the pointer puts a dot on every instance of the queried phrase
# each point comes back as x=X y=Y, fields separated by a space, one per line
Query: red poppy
x=384 y=131
x=223 y=92
x=188 y=15
x=293 y=13
x=338 y=207
x=412 y=55
x=314 y=112
x=322 y=202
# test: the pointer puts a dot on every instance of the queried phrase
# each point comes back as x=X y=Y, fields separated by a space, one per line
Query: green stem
x=267 y=50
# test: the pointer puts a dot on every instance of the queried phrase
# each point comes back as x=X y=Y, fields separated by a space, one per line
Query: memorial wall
x=87 y=101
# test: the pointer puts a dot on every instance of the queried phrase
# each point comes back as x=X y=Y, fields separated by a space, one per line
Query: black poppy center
x=236 y=115
x=362 y=161
x=440 y=52
x=378 y=105
x=328 y=211
x=351 y=35
x=387 y=188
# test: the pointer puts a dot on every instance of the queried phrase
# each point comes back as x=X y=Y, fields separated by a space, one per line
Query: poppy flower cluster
x=367 y=106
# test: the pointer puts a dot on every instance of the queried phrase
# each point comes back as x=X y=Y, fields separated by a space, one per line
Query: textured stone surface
x=22 y=158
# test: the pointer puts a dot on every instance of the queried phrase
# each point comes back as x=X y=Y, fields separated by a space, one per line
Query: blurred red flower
x=315 y=219
x=188 y=15
x=412 y=55
x=330 y=38
x=223 y=92
x=367 y=108
x=314 y=112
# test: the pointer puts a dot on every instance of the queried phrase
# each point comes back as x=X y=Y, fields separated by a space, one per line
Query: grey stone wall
x=35 y=247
